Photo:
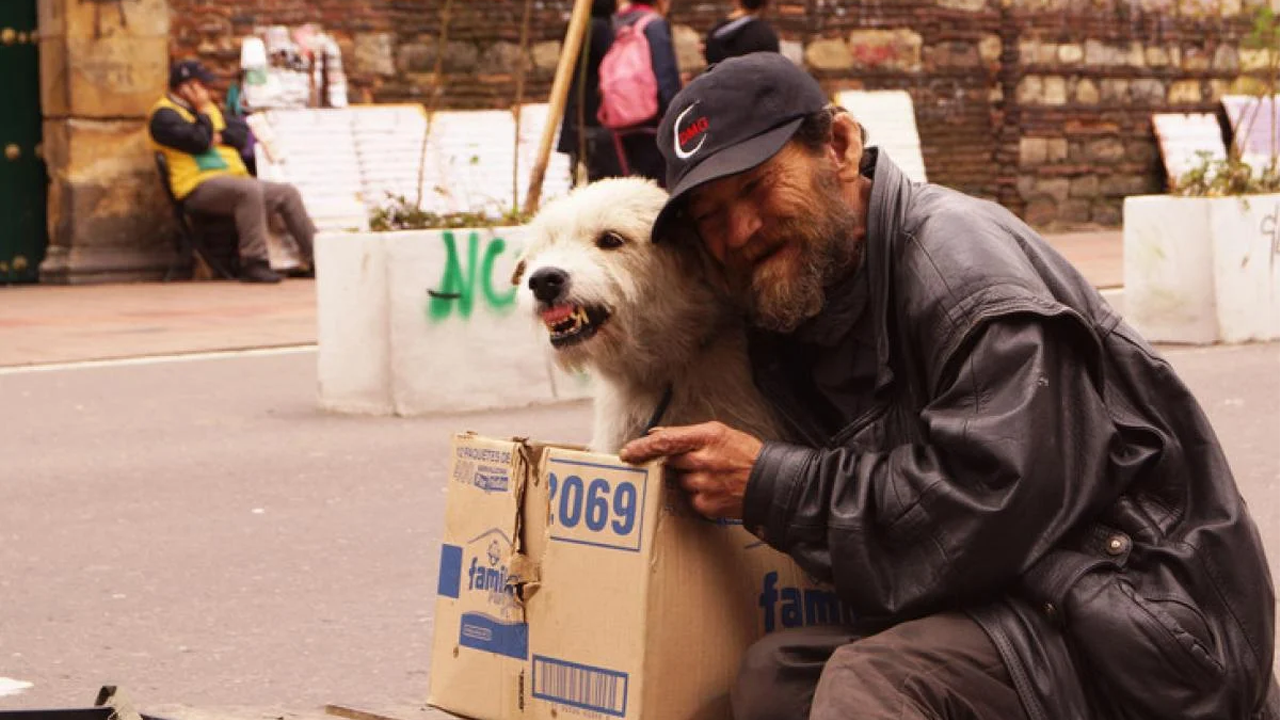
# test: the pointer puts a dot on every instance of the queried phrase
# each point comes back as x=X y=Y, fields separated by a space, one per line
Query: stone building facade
x=103 y=64
x=1042 y=105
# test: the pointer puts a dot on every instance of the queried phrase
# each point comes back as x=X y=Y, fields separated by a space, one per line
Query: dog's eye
x=610 y=241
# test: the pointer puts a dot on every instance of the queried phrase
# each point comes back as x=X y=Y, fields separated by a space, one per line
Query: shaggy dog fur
x=639 y=316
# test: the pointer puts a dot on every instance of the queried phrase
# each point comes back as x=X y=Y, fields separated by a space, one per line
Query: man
x=1027 y=510
x=208 y=175
x=744 y=31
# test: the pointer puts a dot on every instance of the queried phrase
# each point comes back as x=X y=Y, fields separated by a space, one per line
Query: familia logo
x=488 y=575
x=792 y=607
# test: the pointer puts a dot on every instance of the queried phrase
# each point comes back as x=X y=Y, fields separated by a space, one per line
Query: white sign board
x=348 y=161
x=1183 y=137
x=1255 y=127
x=890 y=120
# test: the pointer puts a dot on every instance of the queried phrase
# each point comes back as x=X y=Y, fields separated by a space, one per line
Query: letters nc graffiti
x=460 y=284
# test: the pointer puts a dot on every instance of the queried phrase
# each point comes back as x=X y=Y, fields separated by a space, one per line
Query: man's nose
x=743 y=223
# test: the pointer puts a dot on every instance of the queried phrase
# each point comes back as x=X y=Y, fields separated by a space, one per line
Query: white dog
x=642 y=318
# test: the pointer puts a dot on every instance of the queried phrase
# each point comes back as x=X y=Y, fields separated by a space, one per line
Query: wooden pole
x=519 y=103
x=578 y=23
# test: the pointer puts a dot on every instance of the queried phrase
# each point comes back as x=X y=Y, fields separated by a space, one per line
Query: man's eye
x=704 y=218
x=750 y=187
x=610 y=240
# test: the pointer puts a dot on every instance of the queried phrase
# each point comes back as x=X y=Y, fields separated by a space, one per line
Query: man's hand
x=196 y=94
x=713 y=459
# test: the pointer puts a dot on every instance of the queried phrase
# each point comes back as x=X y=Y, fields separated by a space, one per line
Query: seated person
x=207 y=173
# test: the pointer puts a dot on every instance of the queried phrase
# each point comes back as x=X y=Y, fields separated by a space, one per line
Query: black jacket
x=599 y=38
x=740 y=36
x=169 y=128
x=1028 y=458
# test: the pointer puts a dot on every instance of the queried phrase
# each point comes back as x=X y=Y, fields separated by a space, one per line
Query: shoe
x=301 y=271
x=258 y=272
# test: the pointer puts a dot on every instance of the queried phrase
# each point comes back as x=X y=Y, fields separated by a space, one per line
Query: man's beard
x=783 y=293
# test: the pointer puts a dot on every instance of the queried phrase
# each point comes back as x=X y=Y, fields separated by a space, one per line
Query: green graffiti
x=458 y=287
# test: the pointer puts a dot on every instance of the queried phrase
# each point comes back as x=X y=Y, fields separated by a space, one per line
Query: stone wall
x=1043 y=105
x=102 y=66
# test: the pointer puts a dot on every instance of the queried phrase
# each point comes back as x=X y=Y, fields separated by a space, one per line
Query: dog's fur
x=669 y=323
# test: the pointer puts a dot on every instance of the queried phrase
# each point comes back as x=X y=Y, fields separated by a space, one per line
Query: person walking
x=744 y=31
x=637 y=148
x=592 y=152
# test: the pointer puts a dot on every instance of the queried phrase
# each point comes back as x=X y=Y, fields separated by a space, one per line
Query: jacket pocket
x=1139 y=637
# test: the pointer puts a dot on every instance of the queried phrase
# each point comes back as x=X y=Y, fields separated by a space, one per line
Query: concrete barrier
x=426 y=321
x=1203 y=270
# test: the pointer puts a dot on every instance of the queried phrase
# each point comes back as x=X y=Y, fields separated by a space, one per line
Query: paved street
x=48 y=324
x=198 y=533
x=195 y=531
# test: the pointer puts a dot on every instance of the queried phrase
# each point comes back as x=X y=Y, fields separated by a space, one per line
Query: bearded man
x=1027 y=510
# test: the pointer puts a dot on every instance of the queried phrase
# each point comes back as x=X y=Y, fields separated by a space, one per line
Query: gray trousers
x=250 y=200
x=942 y=667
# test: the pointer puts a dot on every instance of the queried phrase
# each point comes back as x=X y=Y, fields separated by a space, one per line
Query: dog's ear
x=680 y=229
x=701 y=265
x=710 y=270
x=683 y=233
x=518 y=275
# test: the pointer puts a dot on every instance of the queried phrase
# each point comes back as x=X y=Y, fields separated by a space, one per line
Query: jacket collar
x=890 y=195
x=173 y=98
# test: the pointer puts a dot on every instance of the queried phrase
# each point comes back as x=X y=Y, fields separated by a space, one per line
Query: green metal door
x=23 y=183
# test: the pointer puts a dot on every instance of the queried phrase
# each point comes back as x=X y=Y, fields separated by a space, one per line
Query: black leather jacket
x=1028 y=458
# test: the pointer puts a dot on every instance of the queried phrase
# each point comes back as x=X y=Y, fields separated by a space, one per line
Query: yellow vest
x=186 y=171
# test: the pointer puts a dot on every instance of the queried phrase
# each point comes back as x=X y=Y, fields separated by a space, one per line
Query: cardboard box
x=574 y=584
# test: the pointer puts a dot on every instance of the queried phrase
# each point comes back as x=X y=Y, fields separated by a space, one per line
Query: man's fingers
x=693 y=482
x=708 y=506
x=665 y=442
x=690 y=461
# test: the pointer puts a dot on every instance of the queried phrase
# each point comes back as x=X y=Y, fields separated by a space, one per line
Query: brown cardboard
x=572 y=584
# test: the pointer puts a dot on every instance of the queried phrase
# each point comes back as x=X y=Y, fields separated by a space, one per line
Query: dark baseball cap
x=733 y=117
x=188 y=70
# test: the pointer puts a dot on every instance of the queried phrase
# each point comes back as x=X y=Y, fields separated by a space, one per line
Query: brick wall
x=1043 y=105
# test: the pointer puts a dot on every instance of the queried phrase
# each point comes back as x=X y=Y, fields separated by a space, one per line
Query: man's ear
x=846 y=145
x=518 y=275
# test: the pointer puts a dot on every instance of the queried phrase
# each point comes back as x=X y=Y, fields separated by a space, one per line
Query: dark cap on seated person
x=730 y=119
x=189 y=70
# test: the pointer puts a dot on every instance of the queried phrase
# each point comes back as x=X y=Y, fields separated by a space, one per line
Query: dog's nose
x=548 y=284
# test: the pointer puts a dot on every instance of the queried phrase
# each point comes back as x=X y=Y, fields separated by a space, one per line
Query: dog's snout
x=548 y=284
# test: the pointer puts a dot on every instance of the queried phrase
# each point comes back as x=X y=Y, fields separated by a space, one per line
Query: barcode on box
x=580 y=686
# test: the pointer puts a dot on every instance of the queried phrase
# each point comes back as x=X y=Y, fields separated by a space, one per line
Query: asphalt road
x=199 y=533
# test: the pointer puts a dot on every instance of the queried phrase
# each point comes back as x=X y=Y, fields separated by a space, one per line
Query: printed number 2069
x=597 y=504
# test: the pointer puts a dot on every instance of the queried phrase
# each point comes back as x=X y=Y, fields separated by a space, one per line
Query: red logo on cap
x=698 y=127
x=682 y=137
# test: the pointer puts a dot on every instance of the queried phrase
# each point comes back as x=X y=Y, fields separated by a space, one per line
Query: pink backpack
x=628 y=86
